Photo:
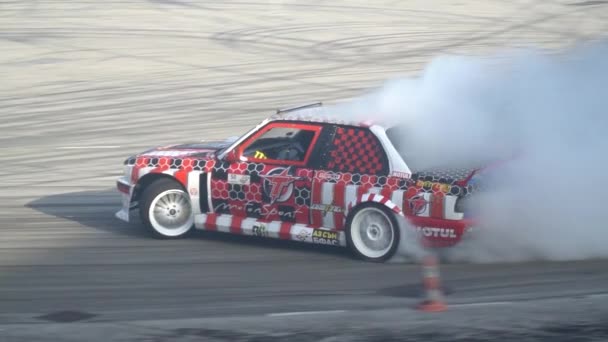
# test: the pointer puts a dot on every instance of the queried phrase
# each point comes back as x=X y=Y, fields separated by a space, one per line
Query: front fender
x=140 y=172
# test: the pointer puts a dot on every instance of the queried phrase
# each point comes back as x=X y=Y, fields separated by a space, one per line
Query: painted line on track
x=598 y=295
x=100 y=147
x=483 y=304
x=297 y=313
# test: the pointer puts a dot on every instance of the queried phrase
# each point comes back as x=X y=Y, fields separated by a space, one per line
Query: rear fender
x=373 y=197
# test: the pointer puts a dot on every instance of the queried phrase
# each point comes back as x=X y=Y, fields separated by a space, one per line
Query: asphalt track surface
x=86 y=84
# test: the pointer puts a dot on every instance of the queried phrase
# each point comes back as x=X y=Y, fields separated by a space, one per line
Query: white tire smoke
x=549 y=110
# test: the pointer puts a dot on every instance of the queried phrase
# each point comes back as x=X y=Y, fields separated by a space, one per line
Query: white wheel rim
x=372 y=232
x=170 y=213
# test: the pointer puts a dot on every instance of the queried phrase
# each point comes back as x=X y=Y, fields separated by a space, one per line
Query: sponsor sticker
x=253 y=210
x=446 y=233
x=326 y=208
x=436 y=187
x=259 y=229
x=278 y=184
x=328 y=176
x=325 y=237
x=418 y=204
x=239 y=179
x=260 y=155
x=399 y=174
x=302 y=235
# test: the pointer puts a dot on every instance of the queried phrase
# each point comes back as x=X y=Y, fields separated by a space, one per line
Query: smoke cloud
x=548 y=110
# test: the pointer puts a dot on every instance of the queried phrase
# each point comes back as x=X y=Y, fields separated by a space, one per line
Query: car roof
x=315 y=113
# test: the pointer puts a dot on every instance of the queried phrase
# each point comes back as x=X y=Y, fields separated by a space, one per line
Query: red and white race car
x=296 y=177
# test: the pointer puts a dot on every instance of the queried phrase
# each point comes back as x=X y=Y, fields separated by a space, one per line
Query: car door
x=267 y=176
x=353 y=162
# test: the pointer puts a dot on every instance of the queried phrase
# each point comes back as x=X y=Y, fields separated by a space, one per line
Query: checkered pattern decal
x=356 y=150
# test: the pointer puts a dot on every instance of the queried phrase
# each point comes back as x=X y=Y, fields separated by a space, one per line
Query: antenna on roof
x=286 y=110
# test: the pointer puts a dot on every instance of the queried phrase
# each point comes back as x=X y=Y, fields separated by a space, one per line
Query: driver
x=289 y=153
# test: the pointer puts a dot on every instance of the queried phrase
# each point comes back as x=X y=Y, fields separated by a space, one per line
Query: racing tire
x=377 y=239
x=165 y=209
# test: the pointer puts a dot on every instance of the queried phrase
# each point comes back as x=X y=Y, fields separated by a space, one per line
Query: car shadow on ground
x=96 y=209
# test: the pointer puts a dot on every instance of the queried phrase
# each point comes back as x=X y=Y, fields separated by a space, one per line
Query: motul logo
x=446 y=233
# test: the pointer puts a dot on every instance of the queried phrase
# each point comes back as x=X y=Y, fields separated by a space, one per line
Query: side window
x=284 y=142
x=355 y=150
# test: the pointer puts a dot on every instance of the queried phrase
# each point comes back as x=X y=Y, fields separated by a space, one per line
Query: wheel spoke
x=182 y=200
x=165 y=201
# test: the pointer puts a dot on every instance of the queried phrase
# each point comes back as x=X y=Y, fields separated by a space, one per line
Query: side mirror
x=231 y=156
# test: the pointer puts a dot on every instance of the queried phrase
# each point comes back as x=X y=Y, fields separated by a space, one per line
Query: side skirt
x=274 y=229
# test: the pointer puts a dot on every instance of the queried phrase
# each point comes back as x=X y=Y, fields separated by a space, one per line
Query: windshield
x=236 y=139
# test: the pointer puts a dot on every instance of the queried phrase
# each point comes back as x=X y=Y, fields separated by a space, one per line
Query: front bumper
x=126 y=190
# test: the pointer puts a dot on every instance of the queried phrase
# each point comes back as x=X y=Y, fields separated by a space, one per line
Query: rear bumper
x=126 y=191
x=439 y=233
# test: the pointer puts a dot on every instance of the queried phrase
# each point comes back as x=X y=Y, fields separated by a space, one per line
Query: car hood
x=204 y=149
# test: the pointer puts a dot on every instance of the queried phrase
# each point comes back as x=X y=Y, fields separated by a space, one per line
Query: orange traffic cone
x=434 y=297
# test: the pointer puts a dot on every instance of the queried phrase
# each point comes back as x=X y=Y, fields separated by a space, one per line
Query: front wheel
x=372 y=232
x=165 y=209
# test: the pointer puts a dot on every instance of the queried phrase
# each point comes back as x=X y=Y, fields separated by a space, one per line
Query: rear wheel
x=372 y=232
x=165 y=209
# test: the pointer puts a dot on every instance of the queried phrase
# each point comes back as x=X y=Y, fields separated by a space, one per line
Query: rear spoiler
x=491 y=166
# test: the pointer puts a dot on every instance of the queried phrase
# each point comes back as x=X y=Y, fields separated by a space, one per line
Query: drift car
x=296 y=177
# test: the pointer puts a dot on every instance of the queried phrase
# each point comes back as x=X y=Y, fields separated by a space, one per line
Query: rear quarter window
x=355 y=150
